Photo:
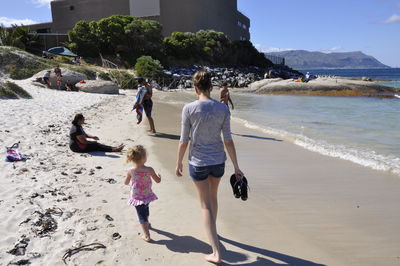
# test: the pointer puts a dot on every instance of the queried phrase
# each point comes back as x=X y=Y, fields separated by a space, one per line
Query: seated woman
x=79 y=139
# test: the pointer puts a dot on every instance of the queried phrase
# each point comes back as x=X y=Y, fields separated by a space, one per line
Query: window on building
x=72 y=8
x=239 y=24
x=244 y=26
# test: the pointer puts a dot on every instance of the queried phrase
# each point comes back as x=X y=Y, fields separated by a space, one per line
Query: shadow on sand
x=256 y=137
x=189 y=244
x=167 y=136
x=103 y=154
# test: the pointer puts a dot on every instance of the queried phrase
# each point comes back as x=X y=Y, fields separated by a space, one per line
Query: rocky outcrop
x=323 y=87
x=68 y=76
x=98 y=86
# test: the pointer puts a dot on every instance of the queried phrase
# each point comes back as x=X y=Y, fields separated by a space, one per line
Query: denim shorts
x=143 y=213
x=201 y=173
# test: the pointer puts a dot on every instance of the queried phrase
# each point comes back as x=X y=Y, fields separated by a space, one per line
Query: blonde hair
x=202 y=80
x=135 y=154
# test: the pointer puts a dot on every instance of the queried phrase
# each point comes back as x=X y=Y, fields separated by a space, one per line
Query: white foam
x=365 y=158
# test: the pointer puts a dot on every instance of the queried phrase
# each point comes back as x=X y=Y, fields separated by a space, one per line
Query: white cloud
x=7 y=22
x=392 y=20
x=265 y=49
x=42 y=2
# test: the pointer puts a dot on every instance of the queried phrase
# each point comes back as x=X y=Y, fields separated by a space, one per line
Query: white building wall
x=144 y=8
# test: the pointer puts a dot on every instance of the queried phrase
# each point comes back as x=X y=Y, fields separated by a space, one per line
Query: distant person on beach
x=225 y=96
x=203 y=121
x=147 y=103
x=139 y=178
x=80 y=140
x=46 y=78
x=58 y=73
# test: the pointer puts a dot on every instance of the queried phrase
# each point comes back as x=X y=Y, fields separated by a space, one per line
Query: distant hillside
x=300 y=59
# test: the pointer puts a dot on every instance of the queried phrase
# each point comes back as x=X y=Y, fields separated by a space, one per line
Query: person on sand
x=147 y=103
x=46 y=78
x=58 y=73
x=79 y=139
x=225 y=96
x=202 y=123
x=139 y=179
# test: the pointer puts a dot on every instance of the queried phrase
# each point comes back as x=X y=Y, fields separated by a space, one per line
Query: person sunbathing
x=82 y=142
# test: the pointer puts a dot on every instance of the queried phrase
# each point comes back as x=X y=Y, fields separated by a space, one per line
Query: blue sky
x=371 y=26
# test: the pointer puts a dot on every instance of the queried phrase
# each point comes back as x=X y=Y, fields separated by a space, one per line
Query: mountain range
x=301 y=59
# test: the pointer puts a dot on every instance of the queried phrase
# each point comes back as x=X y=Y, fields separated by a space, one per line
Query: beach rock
x=99 y=86
x=366 y=79
x=67 y=76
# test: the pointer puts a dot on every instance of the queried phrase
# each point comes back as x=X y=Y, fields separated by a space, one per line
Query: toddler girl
x=139 y=178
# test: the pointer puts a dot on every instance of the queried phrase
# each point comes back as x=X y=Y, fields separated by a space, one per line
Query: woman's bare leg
x=208 y=206
x=214 y=183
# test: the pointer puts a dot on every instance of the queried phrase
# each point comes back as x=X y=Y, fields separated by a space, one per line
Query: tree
x=124 y=36
x=182 y=45
x=83 y=39
x=17 y=36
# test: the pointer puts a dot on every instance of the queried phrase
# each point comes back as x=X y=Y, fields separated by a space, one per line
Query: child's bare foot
x=213 y=258
x=146 y=238
x=119 y=148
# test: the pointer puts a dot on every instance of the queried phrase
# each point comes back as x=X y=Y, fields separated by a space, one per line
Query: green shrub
x=89 y=72
x=104 y=76
x=6 y=93
x=63 y=60
x=148 y=67
x=125 y=80
x=18 y=90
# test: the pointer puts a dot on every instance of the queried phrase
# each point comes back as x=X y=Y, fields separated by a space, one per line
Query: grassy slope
x=19 y=64
x=10 y=90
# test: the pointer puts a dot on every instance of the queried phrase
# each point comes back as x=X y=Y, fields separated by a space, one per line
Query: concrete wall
x=144 y=8
x=194 y=15
x=67 y=12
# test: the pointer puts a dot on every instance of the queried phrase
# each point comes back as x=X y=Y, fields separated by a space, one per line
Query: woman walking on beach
x=79 y=139
x=202 y=123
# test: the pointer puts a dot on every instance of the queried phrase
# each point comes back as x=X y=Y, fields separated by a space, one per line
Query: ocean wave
x=365 y=158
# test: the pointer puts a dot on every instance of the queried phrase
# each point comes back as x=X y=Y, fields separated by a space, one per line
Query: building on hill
x=174 y=15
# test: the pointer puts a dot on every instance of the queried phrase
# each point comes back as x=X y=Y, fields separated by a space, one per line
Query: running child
x=139 y=179
x=225 y=96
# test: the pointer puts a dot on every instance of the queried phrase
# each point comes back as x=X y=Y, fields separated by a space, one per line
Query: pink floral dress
x=141 y=192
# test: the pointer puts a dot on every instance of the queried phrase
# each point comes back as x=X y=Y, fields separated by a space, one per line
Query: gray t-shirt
x=202 y=124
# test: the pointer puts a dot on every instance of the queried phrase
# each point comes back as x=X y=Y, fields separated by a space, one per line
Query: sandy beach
x=304 y=208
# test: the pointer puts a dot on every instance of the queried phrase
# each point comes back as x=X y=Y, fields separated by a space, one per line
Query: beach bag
x=13 y=155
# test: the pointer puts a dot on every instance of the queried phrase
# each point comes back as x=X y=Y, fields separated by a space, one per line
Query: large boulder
x=98 y=86
x=69 y=76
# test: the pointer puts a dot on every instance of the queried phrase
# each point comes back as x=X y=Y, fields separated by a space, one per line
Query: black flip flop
x=244 y=188
x=235 y=186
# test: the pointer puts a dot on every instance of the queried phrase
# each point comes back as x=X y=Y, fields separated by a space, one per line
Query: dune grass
x=10 y=90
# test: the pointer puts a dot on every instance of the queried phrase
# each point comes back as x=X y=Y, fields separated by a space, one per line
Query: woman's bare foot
x=146 y=238
x=213 y=258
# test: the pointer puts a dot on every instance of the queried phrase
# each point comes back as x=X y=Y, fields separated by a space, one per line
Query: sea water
x=363 y=130
x=359 y=129
x=387 y=76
